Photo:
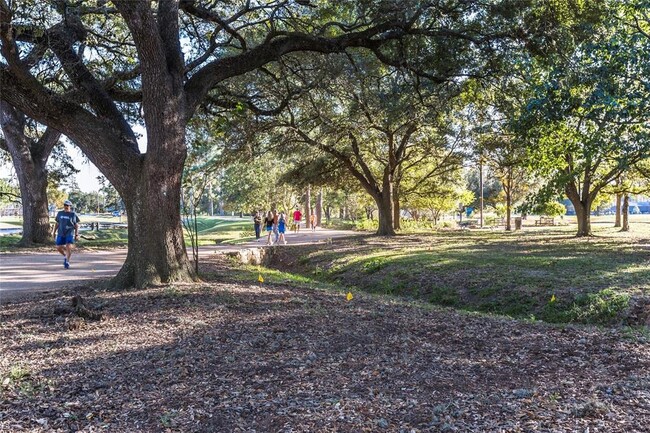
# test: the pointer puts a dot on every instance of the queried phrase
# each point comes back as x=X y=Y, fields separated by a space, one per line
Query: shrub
x=366 y=225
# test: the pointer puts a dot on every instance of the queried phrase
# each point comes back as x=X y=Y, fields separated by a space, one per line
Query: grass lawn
x=218 y=230
x=543 y=273
x=211 y=230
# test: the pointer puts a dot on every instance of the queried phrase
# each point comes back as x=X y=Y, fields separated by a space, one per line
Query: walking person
x=257 y=222
x=66 y=231
x=276 y=235
x=268 y=223
x=312 y=222
x=297 y=216
x=282 y=227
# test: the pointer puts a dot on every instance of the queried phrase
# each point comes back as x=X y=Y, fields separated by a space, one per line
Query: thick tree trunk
x=435 y=215
x=157 y=253
x=625 y=210
x=36 y=219
x=583 y=214
x=617 y=221
x=582 y=206
x=385 y=209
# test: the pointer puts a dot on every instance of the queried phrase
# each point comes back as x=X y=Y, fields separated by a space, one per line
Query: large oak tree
x=588 y=119
x=30 y=152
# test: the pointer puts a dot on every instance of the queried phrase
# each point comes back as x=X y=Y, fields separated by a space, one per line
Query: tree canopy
x=94 y=70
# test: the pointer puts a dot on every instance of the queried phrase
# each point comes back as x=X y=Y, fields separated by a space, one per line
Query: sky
x=87 y=176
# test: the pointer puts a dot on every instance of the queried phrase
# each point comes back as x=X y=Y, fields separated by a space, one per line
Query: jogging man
x=66 y=231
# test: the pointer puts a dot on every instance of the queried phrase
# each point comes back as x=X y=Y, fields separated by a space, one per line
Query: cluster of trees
x=388 y=97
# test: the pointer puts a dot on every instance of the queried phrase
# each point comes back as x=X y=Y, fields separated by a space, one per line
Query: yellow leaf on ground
x=553 y=298
x=349 y=296
x=260 y=279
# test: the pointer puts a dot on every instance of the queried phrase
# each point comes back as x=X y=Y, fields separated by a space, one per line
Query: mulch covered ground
x=251 y=357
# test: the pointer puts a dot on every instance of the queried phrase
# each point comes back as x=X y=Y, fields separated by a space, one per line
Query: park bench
x=545 y=221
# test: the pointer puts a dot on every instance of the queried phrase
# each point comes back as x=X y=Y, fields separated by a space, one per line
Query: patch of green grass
x=445 y=296
x=512 y=274
x=109 y=238
x=172 y=291
x=18 y=373
x=213 y=230
x=167 y=418
x=8 y=242
x=20 y=379
x=374 y=264
x=602 y=307
x=637 y=333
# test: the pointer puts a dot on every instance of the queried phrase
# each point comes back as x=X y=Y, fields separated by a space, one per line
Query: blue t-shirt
x=281 y=225
x=67 y=221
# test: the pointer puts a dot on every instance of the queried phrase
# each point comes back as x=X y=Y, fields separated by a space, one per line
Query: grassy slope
x=544 y=274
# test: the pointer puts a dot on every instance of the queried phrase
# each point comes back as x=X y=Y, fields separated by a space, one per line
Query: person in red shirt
x=297 y=216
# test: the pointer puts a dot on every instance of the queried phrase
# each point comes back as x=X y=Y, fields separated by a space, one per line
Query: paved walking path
x=26 y=273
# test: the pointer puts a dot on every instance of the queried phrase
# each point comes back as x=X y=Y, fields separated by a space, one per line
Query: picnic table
x=545 y=221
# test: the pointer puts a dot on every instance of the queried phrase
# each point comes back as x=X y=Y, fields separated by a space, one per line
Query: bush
x=366 y=225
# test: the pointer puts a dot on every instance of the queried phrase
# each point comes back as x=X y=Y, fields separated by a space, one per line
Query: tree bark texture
x=385 y=201
x=157 y=251
x=583 y=215
x=385 y=209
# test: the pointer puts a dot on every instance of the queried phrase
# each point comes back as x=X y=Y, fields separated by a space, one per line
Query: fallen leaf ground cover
x=545 y=274
x=231 y=354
